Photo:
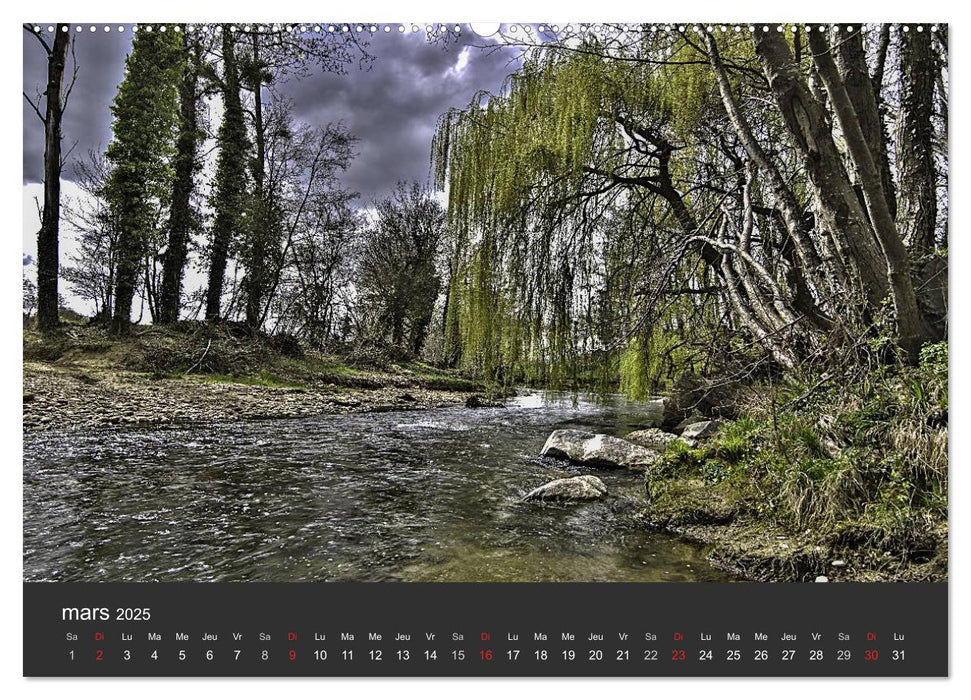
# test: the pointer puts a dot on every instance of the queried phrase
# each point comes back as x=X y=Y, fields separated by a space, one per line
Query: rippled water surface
x=413 y=496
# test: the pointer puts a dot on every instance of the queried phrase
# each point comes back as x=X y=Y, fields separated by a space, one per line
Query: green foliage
x=865 y=461
x=145 y=113
x=933 y=359
x=635 y=375
x=548 y=286
x=731 y=447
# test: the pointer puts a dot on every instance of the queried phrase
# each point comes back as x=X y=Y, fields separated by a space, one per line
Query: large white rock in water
x=577 y=488
x=598 y=450
x=566 y=444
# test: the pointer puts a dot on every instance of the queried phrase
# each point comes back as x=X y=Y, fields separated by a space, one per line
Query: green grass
x=325 y=368
x=865 y=463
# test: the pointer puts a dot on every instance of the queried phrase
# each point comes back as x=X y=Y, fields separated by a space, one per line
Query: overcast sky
x=392 y=108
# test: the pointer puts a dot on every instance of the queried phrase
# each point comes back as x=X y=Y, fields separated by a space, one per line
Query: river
x=398 y=496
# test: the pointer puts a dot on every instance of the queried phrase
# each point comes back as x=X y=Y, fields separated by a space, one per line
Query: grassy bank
x=854 y=474
x=226 y=354
x=82 y=377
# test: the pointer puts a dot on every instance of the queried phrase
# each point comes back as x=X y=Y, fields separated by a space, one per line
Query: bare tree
x=30 y=297
x=55 y=99
x=269 y=54
x=307 y=253
x=91 y=273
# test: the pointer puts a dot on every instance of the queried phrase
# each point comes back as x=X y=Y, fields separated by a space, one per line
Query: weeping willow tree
x=634 y=202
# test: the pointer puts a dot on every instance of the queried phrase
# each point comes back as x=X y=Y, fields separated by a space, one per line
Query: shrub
x=863 y=462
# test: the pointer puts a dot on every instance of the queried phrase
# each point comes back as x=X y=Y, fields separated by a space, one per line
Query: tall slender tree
x=263 y=232
x=55 y=100
x=915 y=145
x=181 y=216
x=911 y=331
x=229 y=199
x=145 y=114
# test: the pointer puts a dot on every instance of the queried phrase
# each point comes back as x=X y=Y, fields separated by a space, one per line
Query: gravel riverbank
x=66 y=398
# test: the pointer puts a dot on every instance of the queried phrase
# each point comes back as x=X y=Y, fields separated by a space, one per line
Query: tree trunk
x=255 y=280
x=47 y=237
x=840 y=213
x=126 y=273
x=851 y=59
x=917 y=217
x=397 y=328
x=230 y=178
x=878 y=70
x=910 y=331
x=180 y=213
x=791 y=210
x=921 y=76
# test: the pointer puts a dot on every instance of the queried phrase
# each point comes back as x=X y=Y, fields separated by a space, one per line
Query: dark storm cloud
x=392 y=108
x=100 y=60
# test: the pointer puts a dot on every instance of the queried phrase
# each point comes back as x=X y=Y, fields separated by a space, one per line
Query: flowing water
x=402 y=496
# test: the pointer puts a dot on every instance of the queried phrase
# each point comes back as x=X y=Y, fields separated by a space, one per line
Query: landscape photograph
x=445 y=303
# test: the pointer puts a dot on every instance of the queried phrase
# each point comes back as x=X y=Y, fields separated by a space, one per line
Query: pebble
x=839 y=563
x=822 y=579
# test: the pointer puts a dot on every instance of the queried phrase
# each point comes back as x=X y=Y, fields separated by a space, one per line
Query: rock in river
x=652 y=438
x=693 y=417
x=577 y=488
x=598 y=450
x=701 y=430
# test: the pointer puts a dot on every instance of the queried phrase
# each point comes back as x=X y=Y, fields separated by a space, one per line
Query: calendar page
x=449 y=349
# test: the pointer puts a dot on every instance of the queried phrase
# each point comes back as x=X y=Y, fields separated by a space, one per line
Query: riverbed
x=432 y=495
